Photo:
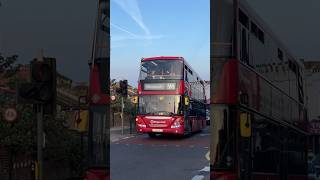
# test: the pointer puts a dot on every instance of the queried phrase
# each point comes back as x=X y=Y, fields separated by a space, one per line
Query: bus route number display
x=159 y=86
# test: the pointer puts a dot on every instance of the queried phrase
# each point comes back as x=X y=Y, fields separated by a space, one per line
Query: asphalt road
x=160 y=158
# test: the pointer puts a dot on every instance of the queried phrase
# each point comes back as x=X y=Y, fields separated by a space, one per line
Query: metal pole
x=11 y=157
x=112 y=118
x=122 y=106
x=40 y=140
x=130 y=121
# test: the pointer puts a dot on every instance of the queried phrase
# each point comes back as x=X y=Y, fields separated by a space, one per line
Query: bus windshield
x=160 y=105
x=161 y=69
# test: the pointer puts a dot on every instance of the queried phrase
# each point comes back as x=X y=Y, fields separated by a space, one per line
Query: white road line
x=197 y=177
x=123 y=138
x=206 y=169
x=208 y=156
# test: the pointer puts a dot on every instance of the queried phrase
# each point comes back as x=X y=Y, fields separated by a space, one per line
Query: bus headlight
x=176 y=124
x=140 y=123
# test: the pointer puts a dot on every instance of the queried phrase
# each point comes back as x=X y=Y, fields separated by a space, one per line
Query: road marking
x=206 y=169
x=121 y=138
x=197 y=177
x=208 y=156
x=202 y=173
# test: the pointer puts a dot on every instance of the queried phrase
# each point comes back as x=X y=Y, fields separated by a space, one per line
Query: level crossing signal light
x=42 y=88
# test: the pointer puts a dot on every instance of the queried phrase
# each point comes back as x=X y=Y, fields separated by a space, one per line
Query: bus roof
x=162 y=58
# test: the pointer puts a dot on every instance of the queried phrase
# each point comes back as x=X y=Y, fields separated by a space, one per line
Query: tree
x=20 y=135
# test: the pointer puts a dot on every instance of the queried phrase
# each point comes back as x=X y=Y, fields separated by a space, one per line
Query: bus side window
x=186 y=74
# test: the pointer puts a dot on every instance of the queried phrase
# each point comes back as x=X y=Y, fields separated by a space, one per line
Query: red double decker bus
x=171 y=97
x=259 y=125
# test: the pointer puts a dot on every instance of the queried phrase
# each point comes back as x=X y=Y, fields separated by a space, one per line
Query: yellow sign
x=186 y=101
x=82 y=120
x=245 y=124
x=135 y=99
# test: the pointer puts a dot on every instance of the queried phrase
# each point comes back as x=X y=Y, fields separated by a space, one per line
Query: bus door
x=245 y=160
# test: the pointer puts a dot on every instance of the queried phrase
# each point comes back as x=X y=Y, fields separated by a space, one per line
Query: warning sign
x=10 y=115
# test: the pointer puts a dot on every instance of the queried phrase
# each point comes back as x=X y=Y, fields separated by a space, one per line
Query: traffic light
x=124 y=88
x=42 y=88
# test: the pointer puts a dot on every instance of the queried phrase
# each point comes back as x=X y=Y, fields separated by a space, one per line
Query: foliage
x=64 y=145
x=8 y=63
x=128 y=105
x=21 y=135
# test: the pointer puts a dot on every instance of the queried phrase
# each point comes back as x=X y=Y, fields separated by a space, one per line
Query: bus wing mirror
x=186 y=101
x=245 y=125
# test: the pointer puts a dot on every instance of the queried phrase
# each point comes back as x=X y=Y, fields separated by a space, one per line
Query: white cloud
x=132 y=36
x=124 y=30
x=121 y=38
x=131 y=7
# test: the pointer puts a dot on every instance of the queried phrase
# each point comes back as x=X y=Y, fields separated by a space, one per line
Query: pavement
x=117 y=135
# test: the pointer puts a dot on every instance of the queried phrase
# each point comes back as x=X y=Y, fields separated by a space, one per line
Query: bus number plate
x=157 y=130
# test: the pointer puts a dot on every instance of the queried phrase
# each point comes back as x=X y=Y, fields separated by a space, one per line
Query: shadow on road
x=174 y=137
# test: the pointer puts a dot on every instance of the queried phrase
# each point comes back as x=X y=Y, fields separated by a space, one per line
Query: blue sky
x=145 y=28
